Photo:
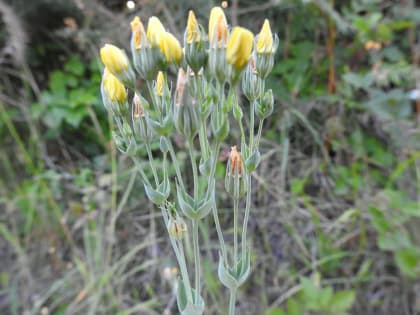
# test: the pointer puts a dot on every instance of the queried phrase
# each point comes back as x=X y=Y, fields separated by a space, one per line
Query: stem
x=232 y=302
x=150 y=155
x=251 y=127
x=194 y=169
x=175 y=163
x=246 y=218
x=153 y=98
x=214 y=208
x=235 y=230
x=260 y=126
x=196 y=260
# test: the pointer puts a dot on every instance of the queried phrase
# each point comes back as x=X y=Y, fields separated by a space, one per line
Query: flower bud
x=235 y=179
x=170 y=48
x=251 y=83
x=195 y=44
x=137 y=33
x=114 y=94
x=177 y=228
x=117 y=63
x=160 y=82
x=265 y=39
x=140 y=126
x=155 y=30
x=239 y=47
x=265 y=106
x=217 y=27
x=192 y=33
x=266 y=46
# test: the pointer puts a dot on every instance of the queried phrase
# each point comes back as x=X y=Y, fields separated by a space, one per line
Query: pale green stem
x=194 y=169
x=153 y=97
x=246 y=217
x=214 y=208
x=176 y=164
x=260 y=126
x=196 y=260
x=232 y=301
x=235 y=230
x=251 y=127
x=151 y=160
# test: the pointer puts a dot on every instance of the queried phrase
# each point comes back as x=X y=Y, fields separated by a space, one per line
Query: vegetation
x=335 y=198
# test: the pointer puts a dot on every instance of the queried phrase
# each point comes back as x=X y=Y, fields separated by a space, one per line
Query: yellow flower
x=239 y=47
x=265 y=39
x=160 y=81
x=155 y=30
x=113 y=87
x=217 y=25
x=170 y=47
x=193 y=31
x=137 y=30
x=114 y=59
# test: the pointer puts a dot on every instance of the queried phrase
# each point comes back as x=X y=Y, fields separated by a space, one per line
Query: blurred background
x=334 y=224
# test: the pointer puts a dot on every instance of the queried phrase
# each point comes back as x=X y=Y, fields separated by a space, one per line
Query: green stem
x=251 y=127
x=194 y=169
x=151 y=160
x=232 y=302
x=196 y=260
x=235 y=230
x=176 y=164
x=260 y=126
x=246 y=217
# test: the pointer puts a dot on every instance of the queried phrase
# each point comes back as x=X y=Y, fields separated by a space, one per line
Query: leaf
x=74 y=66
x=408 y=260
x=293 y=308
x=342 y=301
x=275 y=311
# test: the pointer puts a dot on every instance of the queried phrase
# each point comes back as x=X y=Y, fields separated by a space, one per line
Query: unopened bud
x=177 y=228
x=265 y=106
x=235 y=181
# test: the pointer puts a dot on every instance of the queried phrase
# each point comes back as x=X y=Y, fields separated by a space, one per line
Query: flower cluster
x=199 y=107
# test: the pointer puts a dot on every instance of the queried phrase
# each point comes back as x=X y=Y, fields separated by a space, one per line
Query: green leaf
x=408 y=261
x=57 y=82
x=293 y=308
x=275 y=311
x=342 y=301
x=74 y=66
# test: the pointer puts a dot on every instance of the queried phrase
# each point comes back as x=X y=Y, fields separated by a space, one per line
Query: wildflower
x=239 y=47
x=170 y=48
x=235 y=183
x=155 y=30
x=265 y=39
x=113 y=88
x=114 y=59
x=193 y=30
x=217 y=25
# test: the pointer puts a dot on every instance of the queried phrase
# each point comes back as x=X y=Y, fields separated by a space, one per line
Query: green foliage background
x=334 y=225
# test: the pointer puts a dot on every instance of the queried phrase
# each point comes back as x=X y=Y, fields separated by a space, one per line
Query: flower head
x=155 y=30
x=113 y=88
x=170 y=47
x=239 y=47
x=265 y=39
x=217 y=25
x=114 y=59
x=235 y=160
x=193 y=30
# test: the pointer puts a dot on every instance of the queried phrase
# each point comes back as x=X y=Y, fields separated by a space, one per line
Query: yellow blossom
x=170 y=47
x=265 y=39
x=217 y=25
x=155 y=30
x=193 y=31
x=114 y=59
x=160 y=81
x=239 y=47
x=113 y=88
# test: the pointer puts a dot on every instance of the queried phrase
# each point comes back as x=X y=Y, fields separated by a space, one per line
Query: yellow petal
x=155 y=30
x=137 y=30
x=217 y=25
x=265 y=39
x=113 y=87
x=193 y=31
x=114 y=59
x=170 y=48
x=239 y=47
x=160 y=81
